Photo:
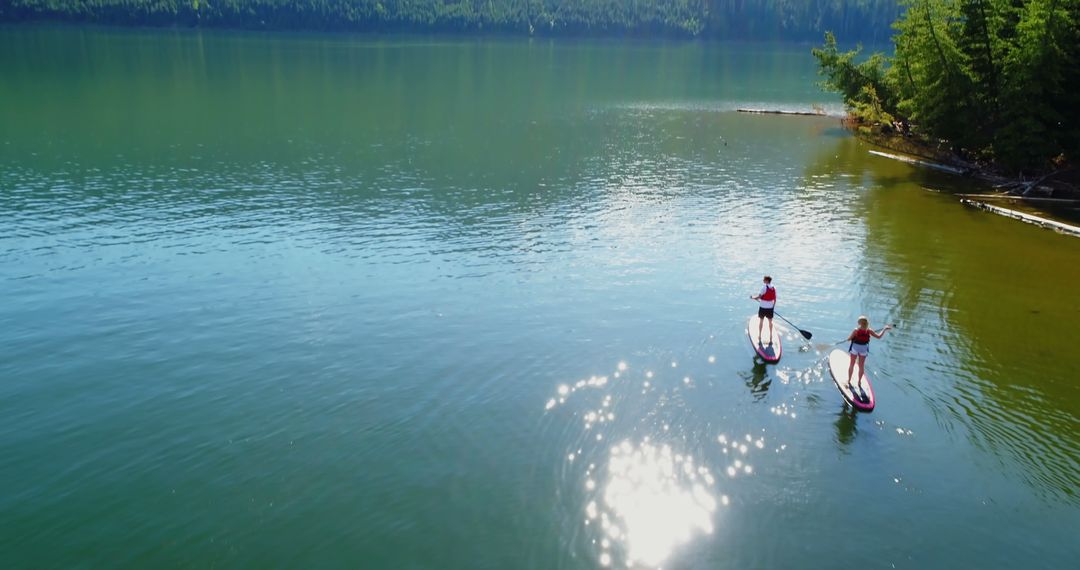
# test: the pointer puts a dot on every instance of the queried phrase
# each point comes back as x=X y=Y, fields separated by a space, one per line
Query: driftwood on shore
x=915 y=151
x=919 y=162
x=779 y=112
x=1017 y=188
x=1031 y=219
x=1025 y=188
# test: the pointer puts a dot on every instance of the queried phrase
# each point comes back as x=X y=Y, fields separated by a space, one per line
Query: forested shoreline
x=805 y=20
x=997 y=81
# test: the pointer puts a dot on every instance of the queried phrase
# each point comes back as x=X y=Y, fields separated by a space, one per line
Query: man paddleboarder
x=767 y=302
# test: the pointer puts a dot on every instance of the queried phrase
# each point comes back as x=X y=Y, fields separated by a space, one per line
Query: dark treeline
x=865 y=20
x=999 y=80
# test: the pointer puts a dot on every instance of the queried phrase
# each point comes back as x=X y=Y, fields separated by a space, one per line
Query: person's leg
x=760 y=323
x=770 y=329
x=851 y=366
x=862 y=363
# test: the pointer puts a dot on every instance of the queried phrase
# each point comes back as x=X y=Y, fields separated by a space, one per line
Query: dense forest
x=997 y=80
x=864 y=20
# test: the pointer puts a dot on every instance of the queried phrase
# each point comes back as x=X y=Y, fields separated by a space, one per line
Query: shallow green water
x=329 y=301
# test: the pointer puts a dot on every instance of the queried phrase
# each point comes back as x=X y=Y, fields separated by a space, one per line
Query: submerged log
x=1037 y=220
x=779 y=112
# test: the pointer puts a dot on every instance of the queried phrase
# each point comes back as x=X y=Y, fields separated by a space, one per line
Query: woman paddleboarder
x=859 y=348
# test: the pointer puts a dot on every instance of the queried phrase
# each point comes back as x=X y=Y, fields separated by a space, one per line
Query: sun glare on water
x=644 y=499
x=652 y=501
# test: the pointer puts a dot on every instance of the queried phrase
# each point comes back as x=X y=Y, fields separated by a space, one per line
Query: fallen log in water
x=779 y=112
x=926 y=163
x=1018 y=197
x=1038 y=221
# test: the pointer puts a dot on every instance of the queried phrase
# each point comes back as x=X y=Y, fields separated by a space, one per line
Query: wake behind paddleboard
x=768 y=351
x=839 y=360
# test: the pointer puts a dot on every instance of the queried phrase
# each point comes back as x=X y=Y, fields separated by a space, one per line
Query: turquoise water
x=335 y=301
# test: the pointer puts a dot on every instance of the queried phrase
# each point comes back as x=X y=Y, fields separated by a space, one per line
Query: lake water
x=361 y=302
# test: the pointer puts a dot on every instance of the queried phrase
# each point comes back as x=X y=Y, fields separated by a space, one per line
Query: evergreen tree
x=979 y=42
x=942 y=101
x=1035 y=78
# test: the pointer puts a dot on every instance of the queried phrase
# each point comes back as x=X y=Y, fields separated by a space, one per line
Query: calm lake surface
x=357 y=302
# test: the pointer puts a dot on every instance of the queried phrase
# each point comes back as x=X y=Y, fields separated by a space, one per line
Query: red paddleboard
x=839 y=360
x=768 y=349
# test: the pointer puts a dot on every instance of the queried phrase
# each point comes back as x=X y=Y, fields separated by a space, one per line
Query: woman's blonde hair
x=863 y=319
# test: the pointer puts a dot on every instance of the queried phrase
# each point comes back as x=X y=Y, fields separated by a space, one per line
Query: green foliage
x=927 y=49
x=1034 y=84
x=861 y=83
x=761 y=19
x=870 y=109
x=997 y=79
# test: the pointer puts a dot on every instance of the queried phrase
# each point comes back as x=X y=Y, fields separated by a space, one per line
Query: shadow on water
x=757 y=379
x=846 y=426
x=963 y=286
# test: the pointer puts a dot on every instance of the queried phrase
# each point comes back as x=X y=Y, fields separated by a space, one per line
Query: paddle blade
x=806 y=334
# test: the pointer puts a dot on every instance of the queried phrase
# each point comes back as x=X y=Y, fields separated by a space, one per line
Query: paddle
x=830 y=345
x=806 y=334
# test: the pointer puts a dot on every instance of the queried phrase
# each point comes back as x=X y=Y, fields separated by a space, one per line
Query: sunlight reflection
x=653 y=500
x=739 y=449
x=645 y=500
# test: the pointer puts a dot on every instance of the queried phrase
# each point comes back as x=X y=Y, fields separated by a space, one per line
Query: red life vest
x=769 y=294
x=861 y=336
